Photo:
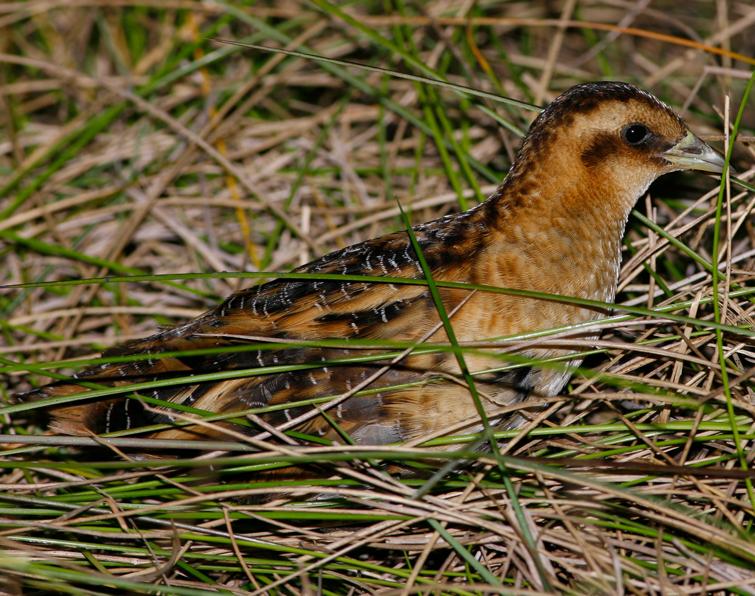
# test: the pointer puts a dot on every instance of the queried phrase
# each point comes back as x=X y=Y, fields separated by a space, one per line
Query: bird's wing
x=290 y=310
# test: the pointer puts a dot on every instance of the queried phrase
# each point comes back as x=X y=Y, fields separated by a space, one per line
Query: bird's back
x=259 y=327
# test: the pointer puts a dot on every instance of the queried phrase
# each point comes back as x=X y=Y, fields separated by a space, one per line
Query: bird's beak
x=693 y=154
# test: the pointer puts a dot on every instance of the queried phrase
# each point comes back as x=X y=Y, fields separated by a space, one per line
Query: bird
x=554 y=225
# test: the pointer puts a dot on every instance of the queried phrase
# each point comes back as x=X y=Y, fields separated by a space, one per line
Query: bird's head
x=612 y=140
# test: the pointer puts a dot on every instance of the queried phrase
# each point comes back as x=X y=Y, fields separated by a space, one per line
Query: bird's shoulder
x=448 y=245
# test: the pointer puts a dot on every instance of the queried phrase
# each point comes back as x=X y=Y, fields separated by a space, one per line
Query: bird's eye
x=635 y=134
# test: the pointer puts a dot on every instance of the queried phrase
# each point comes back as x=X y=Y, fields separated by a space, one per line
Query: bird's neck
x=570 y=229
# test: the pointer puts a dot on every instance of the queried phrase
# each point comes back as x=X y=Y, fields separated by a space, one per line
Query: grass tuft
x=147 y=171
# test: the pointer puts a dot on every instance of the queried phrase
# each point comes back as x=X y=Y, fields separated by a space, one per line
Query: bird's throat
x=560 y=240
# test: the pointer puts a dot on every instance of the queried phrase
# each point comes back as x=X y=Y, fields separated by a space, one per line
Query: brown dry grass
x=133 y=144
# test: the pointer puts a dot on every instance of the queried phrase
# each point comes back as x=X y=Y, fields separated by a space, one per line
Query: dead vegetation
x=134 y=145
